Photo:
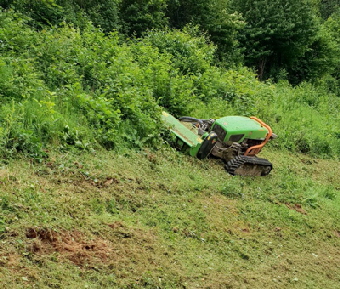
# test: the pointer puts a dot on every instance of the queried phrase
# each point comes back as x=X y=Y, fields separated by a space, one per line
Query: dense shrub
x=65 y=87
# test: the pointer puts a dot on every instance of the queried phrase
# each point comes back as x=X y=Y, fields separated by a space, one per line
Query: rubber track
x=238 y=161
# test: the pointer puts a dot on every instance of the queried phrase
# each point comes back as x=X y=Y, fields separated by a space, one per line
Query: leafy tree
x=102 y=13
x=41 y=11
x=328 y=7
x=276 y=33
x=332 y=26
x=213 y=18
x=223 y=31
x=139 y=16
x=320 y=59
x=181 y=12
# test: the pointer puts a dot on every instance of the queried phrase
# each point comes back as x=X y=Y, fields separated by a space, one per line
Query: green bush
x=190 y=52
x=68 y=87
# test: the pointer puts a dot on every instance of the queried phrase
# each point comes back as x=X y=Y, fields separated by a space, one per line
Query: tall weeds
x=67 y=88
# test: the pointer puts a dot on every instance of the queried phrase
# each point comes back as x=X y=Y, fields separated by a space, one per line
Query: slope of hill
x=164 y=220
x=92 y=197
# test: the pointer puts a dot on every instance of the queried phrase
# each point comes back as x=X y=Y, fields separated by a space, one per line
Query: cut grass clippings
x=165 y=220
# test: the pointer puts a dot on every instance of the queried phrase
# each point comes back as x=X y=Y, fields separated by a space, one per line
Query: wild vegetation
x=91 y=194
x=68 y=87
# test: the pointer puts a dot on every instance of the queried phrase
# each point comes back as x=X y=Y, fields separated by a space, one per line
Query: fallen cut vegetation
x=164 y=220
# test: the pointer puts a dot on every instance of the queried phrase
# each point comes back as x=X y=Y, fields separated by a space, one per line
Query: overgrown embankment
x=65 y=88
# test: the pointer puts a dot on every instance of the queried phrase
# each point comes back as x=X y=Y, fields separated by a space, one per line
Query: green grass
x=164 y=220
x=159 y=219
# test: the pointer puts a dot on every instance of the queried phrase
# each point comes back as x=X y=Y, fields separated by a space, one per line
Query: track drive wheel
x=248 y=166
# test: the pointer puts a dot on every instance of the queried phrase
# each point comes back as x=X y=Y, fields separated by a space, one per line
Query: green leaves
x=139 y=16
x=276 y=33
x=111 y=93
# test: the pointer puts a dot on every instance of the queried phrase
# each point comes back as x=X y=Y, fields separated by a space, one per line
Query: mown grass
x=165 y=220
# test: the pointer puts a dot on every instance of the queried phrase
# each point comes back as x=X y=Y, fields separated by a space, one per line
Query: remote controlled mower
x=235 y=139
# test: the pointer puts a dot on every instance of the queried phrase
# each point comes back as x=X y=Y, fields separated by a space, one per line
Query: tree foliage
x=276 y=33
x=332 y=27
x=43 y=12
x=72 y=84
x=214 y=19
x=279 y=39
x=328 y=7
x=102 y=13
x=139 y=16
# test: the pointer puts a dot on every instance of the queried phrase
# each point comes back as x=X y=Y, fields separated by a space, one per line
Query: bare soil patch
x=297 y=207
x=121 y=246
x=73 y=246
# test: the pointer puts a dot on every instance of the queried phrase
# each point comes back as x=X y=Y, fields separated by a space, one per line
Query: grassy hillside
x=165 y=220
x=92 y=197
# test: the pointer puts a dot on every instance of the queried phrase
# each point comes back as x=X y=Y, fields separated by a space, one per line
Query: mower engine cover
x=238 y=128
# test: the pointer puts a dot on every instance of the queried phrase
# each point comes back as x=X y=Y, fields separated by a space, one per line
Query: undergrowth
x=64 y=88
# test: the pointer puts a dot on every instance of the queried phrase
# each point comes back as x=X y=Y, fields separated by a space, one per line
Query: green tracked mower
x=234 y=139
